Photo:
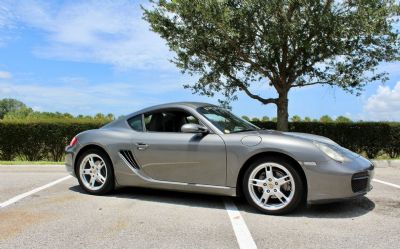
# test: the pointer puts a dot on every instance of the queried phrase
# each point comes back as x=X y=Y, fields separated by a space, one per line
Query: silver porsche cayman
x=199 y=147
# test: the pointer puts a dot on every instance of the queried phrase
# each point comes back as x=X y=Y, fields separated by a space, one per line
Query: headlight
x=329 y=151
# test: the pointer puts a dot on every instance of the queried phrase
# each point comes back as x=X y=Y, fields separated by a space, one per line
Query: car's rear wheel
x=95 y=173
x=273 y=185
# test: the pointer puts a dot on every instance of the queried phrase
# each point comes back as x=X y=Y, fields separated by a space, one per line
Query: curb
x=387 y=163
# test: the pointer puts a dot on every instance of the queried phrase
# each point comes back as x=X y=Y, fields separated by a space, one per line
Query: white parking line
x=387 y=183
x=243 y=235
x=21 y=196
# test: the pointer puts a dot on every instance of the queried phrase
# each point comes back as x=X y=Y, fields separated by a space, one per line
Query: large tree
x=10 y=105
x=233 y=44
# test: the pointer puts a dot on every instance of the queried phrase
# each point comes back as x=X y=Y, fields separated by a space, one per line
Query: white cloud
x=110 y=32
x=86 y=98
x=6 y=23
x=5 y=75
x=384 y=104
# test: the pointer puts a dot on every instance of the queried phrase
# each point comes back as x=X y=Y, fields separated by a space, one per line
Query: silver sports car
x=199 y=147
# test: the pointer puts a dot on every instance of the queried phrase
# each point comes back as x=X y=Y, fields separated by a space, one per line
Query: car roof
x=189 y=104
x=183 y=103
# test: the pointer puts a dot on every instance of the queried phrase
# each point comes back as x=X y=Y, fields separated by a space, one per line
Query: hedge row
x=46 y=140
x=39 y=140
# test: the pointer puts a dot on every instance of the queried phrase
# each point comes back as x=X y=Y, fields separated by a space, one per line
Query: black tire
x=299 y=192
x=109 y=183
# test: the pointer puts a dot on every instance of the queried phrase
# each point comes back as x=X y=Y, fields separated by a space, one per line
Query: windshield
x=225 y=121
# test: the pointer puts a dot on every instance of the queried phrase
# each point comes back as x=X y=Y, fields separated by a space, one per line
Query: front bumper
x=333 y=181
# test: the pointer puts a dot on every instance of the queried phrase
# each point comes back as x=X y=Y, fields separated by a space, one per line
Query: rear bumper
x=69 y=160
x=332 y=181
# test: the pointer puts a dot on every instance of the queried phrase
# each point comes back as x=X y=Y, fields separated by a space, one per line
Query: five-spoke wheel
x=273 y=185
x=94 y=172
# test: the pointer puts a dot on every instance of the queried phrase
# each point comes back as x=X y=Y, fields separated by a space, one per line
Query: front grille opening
x=128 y=156
x=359 y=182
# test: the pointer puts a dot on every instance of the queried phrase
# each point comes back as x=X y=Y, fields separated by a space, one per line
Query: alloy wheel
x=93 y=172
x=271 y=186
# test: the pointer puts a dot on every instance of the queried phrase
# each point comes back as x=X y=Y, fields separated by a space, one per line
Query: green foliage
x=232 y=45
x=296 y=118
x=307 y=119
x=246 y=117
x=342 y=119
x=326 y=119
x=255 y=119
x=366 y=137
x=265 y=118
x=27 y=114
x=40 y=139
x=10 y=105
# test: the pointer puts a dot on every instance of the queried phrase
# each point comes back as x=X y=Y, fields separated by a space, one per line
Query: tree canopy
x=10 y=105
x=232 y=44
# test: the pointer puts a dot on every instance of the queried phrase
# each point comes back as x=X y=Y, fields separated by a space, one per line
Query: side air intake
x=129 y=158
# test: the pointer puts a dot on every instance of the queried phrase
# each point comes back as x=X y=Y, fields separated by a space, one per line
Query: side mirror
x=194 y=128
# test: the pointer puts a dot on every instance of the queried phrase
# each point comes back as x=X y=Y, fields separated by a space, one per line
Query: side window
x=168 y=121
x=136 y=123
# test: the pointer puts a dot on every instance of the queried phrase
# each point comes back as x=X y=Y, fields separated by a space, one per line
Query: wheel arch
x=88 y=147
x=239 y=190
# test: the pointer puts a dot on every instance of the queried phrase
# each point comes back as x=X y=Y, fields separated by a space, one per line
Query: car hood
x=306 y=136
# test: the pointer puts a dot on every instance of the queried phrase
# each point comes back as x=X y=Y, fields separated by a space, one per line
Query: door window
x=168 y=121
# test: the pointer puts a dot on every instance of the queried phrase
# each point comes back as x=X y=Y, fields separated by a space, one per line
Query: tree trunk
x=283 y=116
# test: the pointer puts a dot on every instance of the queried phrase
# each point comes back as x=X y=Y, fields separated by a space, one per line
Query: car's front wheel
x=95 y=173
x=273 y=185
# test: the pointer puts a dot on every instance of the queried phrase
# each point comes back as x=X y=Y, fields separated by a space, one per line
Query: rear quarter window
x=136 y=123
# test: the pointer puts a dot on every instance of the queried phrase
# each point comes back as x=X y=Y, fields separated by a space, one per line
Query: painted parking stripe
x=387 y=183
x=21 y=196
x=243 y=235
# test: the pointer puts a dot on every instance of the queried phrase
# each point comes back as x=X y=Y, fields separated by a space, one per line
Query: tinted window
x=136 y=123
x=168 y=121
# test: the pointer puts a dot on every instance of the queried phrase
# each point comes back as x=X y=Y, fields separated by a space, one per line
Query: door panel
x=181 y=157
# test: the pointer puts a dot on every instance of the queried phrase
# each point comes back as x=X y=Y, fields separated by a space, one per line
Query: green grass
x=28 y=162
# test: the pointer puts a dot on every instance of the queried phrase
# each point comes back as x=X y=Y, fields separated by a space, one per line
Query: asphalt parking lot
x=62 y=216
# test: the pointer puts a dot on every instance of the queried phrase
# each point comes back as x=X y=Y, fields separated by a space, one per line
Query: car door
x=165 y=153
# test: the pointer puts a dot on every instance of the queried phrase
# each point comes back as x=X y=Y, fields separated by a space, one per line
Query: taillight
x=73 y=141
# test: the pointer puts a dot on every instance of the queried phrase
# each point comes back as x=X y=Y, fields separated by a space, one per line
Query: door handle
x=141 y=146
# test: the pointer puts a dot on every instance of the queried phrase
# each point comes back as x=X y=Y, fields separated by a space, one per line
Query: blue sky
x=85 y=57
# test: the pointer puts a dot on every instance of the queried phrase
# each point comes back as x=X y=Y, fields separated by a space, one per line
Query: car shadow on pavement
x=345 y=209
x=336 y=210
x=163 y=196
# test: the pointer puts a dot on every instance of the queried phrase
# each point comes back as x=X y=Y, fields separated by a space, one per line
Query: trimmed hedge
x=46 y=140
x=39 y=140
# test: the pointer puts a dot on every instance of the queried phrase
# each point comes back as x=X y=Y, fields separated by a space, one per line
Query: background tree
x=246 y=117
x=343 y=119
x=296 y=118
x=10 y=105
x=326 y=119
x=265 y=119
x=307 y=119
x=232 y=44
